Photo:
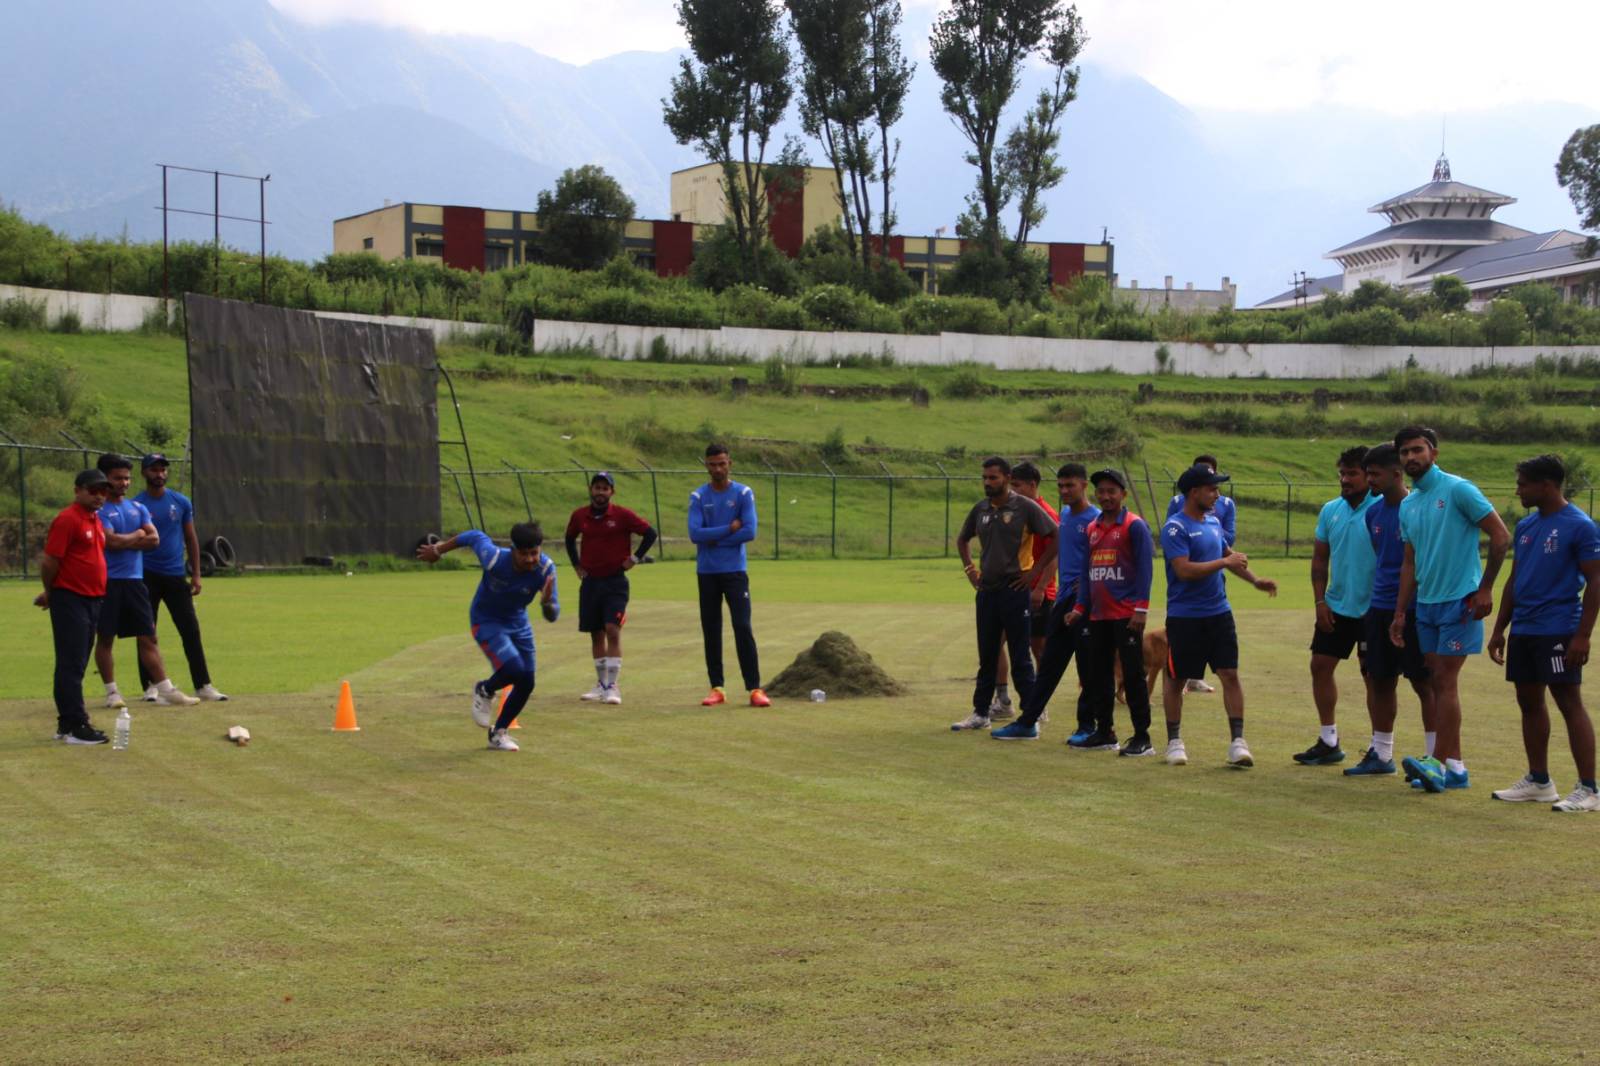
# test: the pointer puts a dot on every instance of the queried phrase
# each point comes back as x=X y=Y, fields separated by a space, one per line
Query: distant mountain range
x=347 y=116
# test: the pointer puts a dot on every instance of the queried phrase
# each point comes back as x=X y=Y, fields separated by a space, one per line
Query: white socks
x=1329 y=735
x=164 y=685
x=1455 y=766
x=1383 y=744
x=111 y=689
x=600 y=672
x=607 y=669
x=1431 y=739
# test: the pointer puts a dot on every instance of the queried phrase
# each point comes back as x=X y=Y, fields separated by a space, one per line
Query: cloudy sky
x=1399 y=56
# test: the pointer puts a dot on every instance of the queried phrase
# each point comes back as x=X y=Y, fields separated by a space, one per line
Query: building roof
x=1314 y=289
x=1434 y=231
x=1548 y=251
x=1444 y=192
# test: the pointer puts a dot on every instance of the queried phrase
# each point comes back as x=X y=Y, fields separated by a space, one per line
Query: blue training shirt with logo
x=168 y=513
x=1226 y=510
x=504 y=592
x=124 y=516
x=1439 y=519
x=1550 y=552
x=1389 y=551
x=719 y=550
x=1202 y=541
x=1072 y=552
x=1351 y=561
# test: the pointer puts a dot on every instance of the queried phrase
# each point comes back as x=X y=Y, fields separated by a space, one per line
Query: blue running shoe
x=1371 y=764
x=1453 y=780
x=1016 y=731
x=1428 y=770
x=1078 y=737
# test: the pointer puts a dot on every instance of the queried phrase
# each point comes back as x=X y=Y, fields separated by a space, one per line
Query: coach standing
x=1454 y=592
x=600 y=547
x=167 y=578
x=1000 y=521
x=722 y=520
x=73 y=569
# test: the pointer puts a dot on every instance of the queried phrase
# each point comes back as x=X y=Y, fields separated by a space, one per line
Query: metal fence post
x=1288 y=506
x=22 y=499
x=655 y=502
x=777 y=523
x=833 y=511
x=946 y=474
x=526 y=506
x=890 y=478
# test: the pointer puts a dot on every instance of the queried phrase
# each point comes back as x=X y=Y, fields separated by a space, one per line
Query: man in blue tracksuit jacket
x=722 y=520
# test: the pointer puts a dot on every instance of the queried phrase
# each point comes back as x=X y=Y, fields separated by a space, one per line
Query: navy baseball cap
x=1198 y=475
x=603 y=475
x=1114 y=475
x=153 y=459
x=91 y=479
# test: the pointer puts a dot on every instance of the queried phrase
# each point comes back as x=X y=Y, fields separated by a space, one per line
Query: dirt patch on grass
x=838 y=667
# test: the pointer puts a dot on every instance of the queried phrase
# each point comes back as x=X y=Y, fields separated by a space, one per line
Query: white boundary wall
x=119 y=313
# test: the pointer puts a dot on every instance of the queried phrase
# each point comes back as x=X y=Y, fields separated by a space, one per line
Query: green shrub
x=835 y=307
x=952 y=314
x=1508 y=395
x=1108 y=428
x=832 y=449
x=1419 y=386
x=781 y=377
x=965 y=384
x=68 y=322
x=20 y=313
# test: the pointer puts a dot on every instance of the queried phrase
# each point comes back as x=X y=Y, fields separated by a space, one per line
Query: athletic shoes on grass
x=1528 y=791
x=1582 y=799
x=482 y=707
x=114 y=701
x=1427 y=771
x=1454 y=780
x=1371 y=765
x=1239 y=755
x=208 y=692
x=85 y=735
x=1137 y=748
x=612 y=697
x=150 y=694
x=1001 y=711
x=1320 y=754
x=715 y=698
x=175 y=698
x=500 y=741
x=1176 y=755
x=1099 y=740
x=1077 y=738
x=594 y=695
x=1015 y=731
x=971 y=721
x=759 y=698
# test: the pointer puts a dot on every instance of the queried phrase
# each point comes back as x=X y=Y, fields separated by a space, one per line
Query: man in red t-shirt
x=605 y=532
x=73 y=568
x=1025 y=482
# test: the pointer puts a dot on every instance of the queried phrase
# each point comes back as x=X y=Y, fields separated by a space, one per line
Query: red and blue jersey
x=1120 y=562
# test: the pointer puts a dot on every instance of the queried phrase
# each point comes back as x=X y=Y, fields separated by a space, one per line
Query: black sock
x=1236 y=728
x=1174 y=729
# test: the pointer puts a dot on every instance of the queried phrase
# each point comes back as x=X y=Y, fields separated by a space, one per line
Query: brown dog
x=1155 y=659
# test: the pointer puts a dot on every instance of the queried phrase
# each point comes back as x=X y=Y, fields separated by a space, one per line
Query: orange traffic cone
x=344 y=719
x=505 y=694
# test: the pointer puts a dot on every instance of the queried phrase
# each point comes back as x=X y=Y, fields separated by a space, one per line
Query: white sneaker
x=175 y=698
x=1197 y=685
x=499 y=741
x=1580 y=800
x=971 y=721
x=1239 y=755
x=1528 y=791
x=483 y=710
x=1176 y=755
x=613 y=696
x=209 y=693
x=114 y=701
x=595 y=694
x=151 y=694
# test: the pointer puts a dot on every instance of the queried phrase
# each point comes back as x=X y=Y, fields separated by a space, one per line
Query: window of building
x=366 y=243
x=496 y=256
x=430 y=248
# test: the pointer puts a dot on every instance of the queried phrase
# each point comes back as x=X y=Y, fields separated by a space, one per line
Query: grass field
x=815 y=883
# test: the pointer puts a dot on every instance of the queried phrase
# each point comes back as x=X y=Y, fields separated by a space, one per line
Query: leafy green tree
x=1540 y=303
x=1578 y=172
x=728 y=100
x=1504 y=322
x=1450 y=293
x=581 y=220
x=1028 y=159
x=978 y=48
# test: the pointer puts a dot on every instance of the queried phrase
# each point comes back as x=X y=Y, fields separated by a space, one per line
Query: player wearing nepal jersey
x=1117 y=580
x=512 y=578
x=1557 y=559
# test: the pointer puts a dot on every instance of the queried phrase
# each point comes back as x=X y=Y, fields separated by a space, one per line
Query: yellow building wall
x=386 y=226
x=427 y=214
x=1094 y=253
x=497 y=220
x=697 y=195
x=821 y=207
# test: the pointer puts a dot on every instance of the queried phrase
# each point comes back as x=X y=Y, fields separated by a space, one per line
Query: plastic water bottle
x=818 y=696
x=119 y=735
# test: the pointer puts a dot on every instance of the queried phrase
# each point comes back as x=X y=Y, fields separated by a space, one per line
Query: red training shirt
x=79 y=541
x=1035 y=545
x=604 y=542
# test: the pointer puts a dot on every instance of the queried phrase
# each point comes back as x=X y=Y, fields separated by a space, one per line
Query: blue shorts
x=505 y=645
x=1448 y=628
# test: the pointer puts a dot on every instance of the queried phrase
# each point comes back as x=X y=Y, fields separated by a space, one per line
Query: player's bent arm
x=1508 y=598
x=152 y=539
x=1192 y=571
x=191 y=541
x=1320 y=555
x=49 y=567
x=747 y=521
x=1499 y=542
x=699 y=532
x=572 y=555
x=647 y=540
x=1578 y=646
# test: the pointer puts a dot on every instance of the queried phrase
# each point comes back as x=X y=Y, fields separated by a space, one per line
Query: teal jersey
x=1352 y=563
x=1439 y=519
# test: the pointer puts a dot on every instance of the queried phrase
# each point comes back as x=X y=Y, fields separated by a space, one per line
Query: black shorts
x=126 y=611
x=1540 y=660
x=1039 y=621
x=1349 y=635
x=602 y=601
x=1383 y=659
x=1195 y=643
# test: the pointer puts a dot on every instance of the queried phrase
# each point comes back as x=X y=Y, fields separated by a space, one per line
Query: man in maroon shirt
x=602 y=564
x=74 y=571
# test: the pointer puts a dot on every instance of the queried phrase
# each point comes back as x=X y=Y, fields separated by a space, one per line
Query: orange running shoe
x=759 y=698
x=714 y=697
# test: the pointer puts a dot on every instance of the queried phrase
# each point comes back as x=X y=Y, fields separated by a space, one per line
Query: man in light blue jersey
x=166 y=576
x=1450 y=590
x=1557 y=557
x=512 y=578
x=1342 y=565
x=722 y=520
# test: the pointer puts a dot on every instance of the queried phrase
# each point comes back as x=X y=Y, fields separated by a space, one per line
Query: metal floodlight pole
x=164 y=293
x=216 y=231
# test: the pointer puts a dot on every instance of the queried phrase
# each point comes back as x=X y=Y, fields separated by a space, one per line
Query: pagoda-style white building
x=1444 y=227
